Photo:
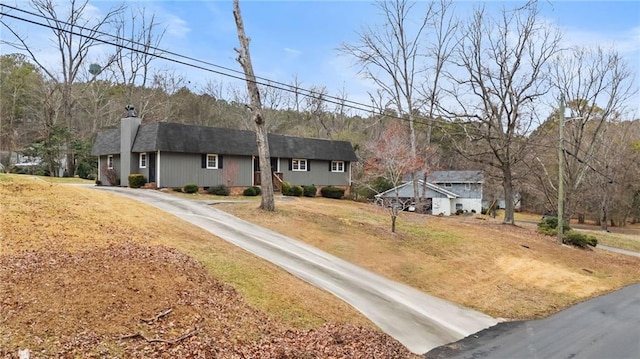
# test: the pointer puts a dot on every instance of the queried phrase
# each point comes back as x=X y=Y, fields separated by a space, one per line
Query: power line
x=265 y=81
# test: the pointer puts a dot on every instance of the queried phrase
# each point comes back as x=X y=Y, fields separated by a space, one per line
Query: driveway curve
x=419 y=321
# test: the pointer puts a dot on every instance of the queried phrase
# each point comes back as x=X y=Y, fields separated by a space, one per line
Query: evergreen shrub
x=136 y=180
x=309 y=191
x=332 y=192
x=219 y=190
x=191 y=188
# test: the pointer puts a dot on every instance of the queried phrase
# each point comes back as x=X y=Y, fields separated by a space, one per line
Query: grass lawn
x=84 y=273
x=506 y=271
x=79 y=269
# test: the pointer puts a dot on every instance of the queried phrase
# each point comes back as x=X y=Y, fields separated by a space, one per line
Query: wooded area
x=467 y=93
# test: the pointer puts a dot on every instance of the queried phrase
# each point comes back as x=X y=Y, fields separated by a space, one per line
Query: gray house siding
x=318 y=174
x=179 y=169
x=178 y=149
x=103 y=168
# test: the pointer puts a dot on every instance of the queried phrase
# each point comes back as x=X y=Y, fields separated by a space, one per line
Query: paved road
x=604 y=327
x=417 y=320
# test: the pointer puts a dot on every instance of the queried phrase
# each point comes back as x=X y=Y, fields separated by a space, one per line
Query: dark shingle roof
x=174 y=137
x=107 y=143
x=456 y=177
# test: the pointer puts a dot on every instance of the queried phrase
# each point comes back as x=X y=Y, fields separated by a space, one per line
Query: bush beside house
x=136 y=180
x=332 y=192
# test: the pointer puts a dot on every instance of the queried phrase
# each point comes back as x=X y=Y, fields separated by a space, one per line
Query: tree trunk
x=603 y=213
x=244 y=58
x=394 y=217
x=508 y=196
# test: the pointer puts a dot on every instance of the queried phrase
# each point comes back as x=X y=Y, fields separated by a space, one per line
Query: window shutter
x=330 y=163
x=220 y=161
x=204 y=160
x=308 y=165
x=290 y=164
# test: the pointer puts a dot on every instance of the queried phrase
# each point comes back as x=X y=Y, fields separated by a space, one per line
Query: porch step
x=150 y=185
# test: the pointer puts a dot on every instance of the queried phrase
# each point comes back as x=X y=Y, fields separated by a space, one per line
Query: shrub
x=98 y=182
x=286 y=188
x=251 y=191
x=332 y=192
x=177 y=189
x=219 y=190
x=295 y=191
x=549 y=226
x=136 y=180
x=112 y=177
x=191 y=188
x=309 y=191
x=580 y=240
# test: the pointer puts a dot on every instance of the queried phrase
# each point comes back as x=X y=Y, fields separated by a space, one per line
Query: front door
x=152 y=167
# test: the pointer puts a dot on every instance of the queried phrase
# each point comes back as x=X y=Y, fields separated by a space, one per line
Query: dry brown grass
x=79 y=268
x=505 y=271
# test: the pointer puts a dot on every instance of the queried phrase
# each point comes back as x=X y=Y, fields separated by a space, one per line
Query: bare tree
x=389 y=55
x=76 y=33
x=599 y=83
x=244 y=58
x=440 y=46
x=500 y=77
x=389 y=156
x=138 y=39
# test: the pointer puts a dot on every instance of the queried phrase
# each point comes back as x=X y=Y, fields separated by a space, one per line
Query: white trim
x=339 y=168
x=158 y=170
x=216 y=157
x=99 y=172
x=109 y=162
x=299 y=161
x=142 y=156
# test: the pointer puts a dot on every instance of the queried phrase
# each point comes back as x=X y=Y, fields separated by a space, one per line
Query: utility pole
x=560 y=227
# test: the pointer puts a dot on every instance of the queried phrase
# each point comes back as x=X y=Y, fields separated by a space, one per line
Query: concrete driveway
x=419 y=321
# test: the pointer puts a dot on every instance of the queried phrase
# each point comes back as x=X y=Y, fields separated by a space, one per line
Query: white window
x=337 y=166
x=212 y=161
x=143 y=160
x=298 y=165
x=110 y=162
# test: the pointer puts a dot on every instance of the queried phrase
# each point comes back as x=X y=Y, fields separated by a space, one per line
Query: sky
x=301 y=38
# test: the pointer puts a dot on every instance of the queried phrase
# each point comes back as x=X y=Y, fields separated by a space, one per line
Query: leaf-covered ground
x=80 y=280
x=130 y=300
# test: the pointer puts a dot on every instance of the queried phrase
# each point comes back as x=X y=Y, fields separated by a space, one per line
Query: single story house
x=173 y=155
x=445 y=192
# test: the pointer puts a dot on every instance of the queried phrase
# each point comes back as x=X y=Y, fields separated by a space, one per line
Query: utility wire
x=160 y=54
x=264 y=81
